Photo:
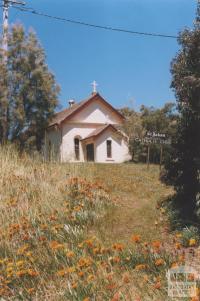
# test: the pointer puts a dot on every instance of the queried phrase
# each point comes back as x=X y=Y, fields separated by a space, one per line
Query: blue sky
x=130 y=70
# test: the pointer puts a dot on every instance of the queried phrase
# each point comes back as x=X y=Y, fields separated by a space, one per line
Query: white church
x=88 y=131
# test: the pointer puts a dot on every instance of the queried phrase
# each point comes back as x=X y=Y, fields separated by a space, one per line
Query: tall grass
x=59 y=239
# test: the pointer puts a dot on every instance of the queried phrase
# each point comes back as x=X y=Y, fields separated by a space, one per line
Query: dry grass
x=82 y=231
x=136 y=191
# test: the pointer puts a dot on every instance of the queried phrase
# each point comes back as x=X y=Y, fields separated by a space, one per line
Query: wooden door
x=90 y=152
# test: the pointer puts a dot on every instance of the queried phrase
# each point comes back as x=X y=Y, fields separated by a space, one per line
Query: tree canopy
x=29 y=93
x=183 y=167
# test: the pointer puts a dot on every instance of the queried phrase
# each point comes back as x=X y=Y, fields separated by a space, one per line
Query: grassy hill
x=82 y=231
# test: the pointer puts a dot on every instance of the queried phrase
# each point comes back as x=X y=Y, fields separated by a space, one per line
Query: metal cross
x=94 y=84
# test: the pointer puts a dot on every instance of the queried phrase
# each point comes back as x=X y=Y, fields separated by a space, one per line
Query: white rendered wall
x=70 y=131
x=120 y=152
x=97 y=112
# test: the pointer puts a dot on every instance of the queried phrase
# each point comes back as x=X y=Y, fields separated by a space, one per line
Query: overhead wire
x=109 y=28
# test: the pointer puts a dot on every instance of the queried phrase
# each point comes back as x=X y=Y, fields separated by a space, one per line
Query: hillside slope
x=81 y=231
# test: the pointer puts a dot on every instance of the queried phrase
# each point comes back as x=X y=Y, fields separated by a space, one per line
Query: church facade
x=88 y=131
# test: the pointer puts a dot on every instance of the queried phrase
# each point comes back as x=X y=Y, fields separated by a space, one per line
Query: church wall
x=69 y=132
x=97 y=112
x=120 y=151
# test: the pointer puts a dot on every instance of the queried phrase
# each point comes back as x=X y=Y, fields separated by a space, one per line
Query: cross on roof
x=94 y=85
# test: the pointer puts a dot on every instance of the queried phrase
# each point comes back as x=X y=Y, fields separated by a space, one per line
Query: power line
x=33 y=11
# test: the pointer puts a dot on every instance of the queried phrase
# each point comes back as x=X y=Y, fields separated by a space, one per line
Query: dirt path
x=136 y=191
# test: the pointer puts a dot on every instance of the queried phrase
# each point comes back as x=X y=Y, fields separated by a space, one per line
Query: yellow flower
x=9 y=275
x=90 y=277
x=192 y=242
x=19 y=263
x=9 y=269
x=21 y=250
x=70 y=270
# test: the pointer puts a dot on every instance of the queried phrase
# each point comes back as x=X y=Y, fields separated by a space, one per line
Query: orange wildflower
x=42 y=238
x=157 y=285
x=140 y=267
x=118 y=247
x=84 y=262
x=156 y=244
x=74 y=285
x=32 y=273
x=97 y=251
x=89 y=243
x=174 y=265
x=70 y=254
x=116 y=297
x=81 y=274
x=70 y=270
x=136 y=238
x=90 y=277
x=61 y=273
x=126 y=278
x=30 y=290
x=21 y=273
x=178 y=246
x=159 y=262
x=23 y=249
x=54 y=245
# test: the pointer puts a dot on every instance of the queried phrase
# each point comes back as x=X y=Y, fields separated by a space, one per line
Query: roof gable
x=69 y=113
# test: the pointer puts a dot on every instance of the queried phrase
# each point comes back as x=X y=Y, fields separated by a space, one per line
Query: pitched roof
x=100 y=130
x=59 y=117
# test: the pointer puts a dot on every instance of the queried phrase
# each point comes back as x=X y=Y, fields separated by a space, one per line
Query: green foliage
x=183 y=166
x=189 y=233
x=134 y=129
x=29 y=92
x=162 y=120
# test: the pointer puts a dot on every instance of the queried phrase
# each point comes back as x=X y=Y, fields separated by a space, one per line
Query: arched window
x=77 y=148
